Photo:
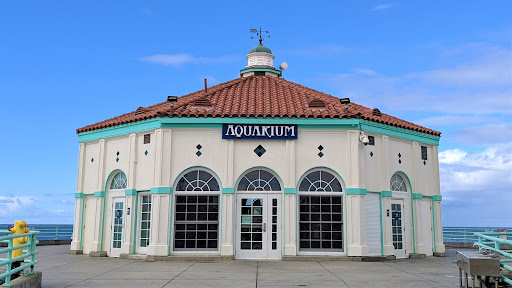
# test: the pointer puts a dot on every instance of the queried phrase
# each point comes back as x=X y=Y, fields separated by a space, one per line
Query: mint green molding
x=399 y=132
x=434 y=223
x=437 y=197
x=228 y=190
x=260 y=69
x=290 y=190
x=356 y=191
x=160 y=190
x=130 y=192
x=134 y=218
x=417 y=196
x=79 y=195
x=386 y=194
x=99 y=194
x=185 y=171
x=215 y=122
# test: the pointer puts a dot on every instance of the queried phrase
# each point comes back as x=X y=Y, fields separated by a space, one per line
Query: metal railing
x=7 y=237
x=49 y=231
x=467 y=234
x=492 y=241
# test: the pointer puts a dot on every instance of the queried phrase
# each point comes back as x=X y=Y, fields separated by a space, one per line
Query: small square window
x=147 y=138
x=423 y=153
x=372 y=140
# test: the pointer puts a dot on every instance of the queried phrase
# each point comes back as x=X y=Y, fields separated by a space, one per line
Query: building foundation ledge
x=202 y=258
x=98 y=254
x=133 y=256
x=417 y=256
x=76 y=252
x=317 y=258
x=439 y=254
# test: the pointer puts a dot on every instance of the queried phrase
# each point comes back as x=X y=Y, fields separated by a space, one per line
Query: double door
x=258 y=226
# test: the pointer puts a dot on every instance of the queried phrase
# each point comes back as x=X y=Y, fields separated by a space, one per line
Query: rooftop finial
x=259 y=34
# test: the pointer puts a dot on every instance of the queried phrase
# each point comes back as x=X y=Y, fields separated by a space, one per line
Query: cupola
x=260 y=62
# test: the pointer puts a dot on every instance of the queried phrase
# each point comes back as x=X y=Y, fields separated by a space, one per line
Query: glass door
x=258 y=226
x=397 y=224
x=117 y=227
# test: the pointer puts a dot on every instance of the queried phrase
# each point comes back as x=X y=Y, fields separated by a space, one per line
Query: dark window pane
x=179 y=244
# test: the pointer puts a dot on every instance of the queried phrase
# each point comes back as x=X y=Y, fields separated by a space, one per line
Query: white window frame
x=177 y=193
x=138 y=248
x=343 y=216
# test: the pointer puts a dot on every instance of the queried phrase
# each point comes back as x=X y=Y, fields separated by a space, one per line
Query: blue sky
x=446 y=65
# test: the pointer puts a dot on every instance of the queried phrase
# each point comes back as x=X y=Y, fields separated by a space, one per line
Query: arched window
x=259 y=180
x=320 y=181
x=197 y=180
x=397 y=183
x=119 y=181
x=196 y=216
x=321 y=212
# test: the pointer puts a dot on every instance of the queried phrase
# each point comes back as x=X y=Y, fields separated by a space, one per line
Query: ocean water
x=48 y=231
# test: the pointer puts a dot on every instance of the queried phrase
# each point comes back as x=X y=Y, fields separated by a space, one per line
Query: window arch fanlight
x=320 y=212
x=397 y=183
x=320 y=181
x=119 y=181
x=197 y=180
x=259 y=180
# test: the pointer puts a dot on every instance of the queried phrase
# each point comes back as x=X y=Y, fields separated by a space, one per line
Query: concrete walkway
x=60 y=269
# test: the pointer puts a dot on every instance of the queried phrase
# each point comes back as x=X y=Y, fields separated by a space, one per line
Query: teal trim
x=134 y=217
x=79 y=195
x=437 y=197
x=260 y=69
x=412 y=210
x=99 y=194
x=261 y=168
x=160 y=190
x=184 y=171
x=381 y=226
x=290 y=190
x=417 y=196
x=386 y=194
x=399 y=132
x=82 y=224
x=228 y=190
x=211 y=122
x=130 y=192
x=321 y=167
x=356 y=191
x=434 y=224
x=113 y=172
x=119 y=130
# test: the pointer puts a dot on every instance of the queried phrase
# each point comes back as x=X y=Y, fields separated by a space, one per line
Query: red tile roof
x=256 y=96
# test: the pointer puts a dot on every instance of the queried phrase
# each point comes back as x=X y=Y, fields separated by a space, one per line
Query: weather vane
x=259 y=34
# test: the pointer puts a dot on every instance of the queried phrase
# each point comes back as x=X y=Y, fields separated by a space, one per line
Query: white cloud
x=475 y=186
x=382 y=6
x=180 y=59
x=9 y=205
x=480 y=85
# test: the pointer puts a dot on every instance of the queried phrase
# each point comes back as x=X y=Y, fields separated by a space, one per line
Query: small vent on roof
x=203 y=102
x=139 y=111
x=316 y=103
x=376 y=112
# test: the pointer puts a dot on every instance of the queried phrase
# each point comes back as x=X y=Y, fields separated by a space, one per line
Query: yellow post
x=20 y=227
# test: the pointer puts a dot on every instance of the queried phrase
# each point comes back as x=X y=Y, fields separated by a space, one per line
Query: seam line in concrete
x=333 y=274
x=179 y=274
x=427 y=279
x=102 y=273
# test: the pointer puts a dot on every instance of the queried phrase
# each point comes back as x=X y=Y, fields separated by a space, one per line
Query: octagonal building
x=257 y=168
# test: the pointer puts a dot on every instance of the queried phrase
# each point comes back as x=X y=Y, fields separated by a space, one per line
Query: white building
x=257 y=168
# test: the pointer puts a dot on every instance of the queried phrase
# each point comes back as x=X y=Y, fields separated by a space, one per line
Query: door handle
x=264 y=227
